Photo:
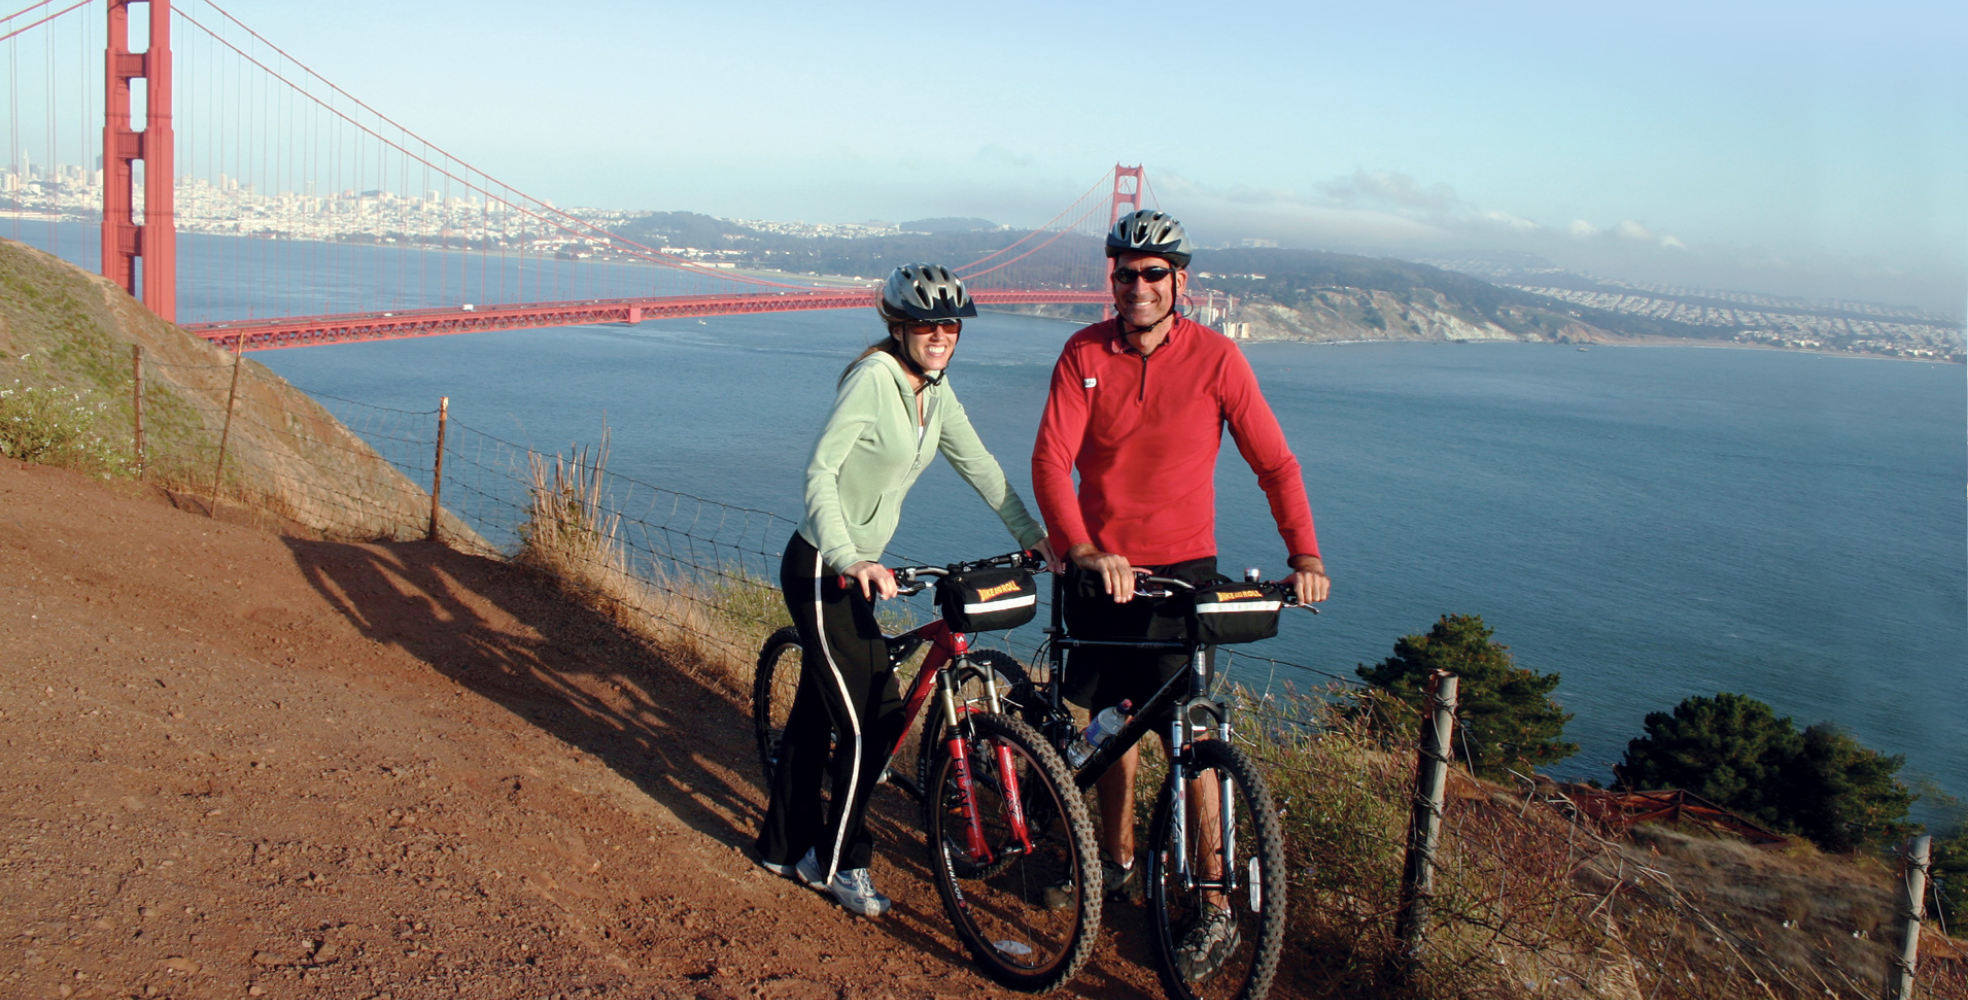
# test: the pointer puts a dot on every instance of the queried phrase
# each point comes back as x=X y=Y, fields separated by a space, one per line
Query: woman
x=893 y=413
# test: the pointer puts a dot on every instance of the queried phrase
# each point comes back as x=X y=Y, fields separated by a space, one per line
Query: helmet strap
x=909 y=364
x=1129 y=330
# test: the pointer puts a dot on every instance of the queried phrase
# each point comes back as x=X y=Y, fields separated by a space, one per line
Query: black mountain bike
x=1003 y=819
x=1220 y=851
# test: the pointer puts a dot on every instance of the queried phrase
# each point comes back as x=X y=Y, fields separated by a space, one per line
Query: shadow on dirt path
x=512 y=639
x=560 y=667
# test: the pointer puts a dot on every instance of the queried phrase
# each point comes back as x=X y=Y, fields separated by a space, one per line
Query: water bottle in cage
x=1105 y=725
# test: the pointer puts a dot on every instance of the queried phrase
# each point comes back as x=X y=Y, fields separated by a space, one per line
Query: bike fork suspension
x=959 y=750
x=1179 y=804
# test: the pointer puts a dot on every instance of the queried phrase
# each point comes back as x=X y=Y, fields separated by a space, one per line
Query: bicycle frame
x=1186 y=696
x=946 y=646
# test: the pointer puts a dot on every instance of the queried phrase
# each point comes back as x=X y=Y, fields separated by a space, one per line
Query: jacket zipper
x=922 y=429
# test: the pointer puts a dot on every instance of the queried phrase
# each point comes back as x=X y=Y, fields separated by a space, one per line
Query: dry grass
x=713 y=629
x=1530 y=903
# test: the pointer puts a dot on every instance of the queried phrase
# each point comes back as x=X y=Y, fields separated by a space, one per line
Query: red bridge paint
x=307 y=331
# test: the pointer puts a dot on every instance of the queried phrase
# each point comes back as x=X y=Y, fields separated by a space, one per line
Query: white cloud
x=1634 y=231
x=1582 y=230
x=1511 y=222
x=1671 y=243
x=1392 y=188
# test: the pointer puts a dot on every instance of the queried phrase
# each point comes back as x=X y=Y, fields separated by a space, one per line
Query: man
x=1138 y=406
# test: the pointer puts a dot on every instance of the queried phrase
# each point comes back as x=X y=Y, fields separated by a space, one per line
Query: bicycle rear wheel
x=1239 y=965
x=1020 y=934
x=773 y=687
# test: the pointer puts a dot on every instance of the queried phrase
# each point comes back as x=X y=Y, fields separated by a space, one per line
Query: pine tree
x=1730 y=750
x=1507 y=719
x=1737 y=752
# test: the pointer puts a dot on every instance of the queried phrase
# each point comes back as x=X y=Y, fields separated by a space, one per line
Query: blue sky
x=1805 y=148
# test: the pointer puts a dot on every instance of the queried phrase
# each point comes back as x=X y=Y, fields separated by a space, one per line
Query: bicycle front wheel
x=967 y=678
x=1216 y=895
x=1024 y=906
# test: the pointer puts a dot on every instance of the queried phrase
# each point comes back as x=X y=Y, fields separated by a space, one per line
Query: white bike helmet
x=1152 y=233
x=924 y=293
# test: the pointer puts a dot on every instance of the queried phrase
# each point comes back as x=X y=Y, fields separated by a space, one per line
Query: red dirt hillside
x=242 y=764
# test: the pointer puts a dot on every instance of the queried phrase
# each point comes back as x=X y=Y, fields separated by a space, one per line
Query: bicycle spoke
x=1219 y=909
x=1018 y=905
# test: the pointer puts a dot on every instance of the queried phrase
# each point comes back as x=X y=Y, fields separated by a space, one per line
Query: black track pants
x=847 y=687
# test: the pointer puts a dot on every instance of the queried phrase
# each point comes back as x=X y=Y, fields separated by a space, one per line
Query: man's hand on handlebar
x=1309 y=579
x=1115 y=573
x=875 y=575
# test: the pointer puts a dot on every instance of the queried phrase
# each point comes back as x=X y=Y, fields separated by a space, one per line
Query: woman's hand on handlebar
x=1309 y=579
x=875 y=575
x=1115 y=572
x=1053 y=563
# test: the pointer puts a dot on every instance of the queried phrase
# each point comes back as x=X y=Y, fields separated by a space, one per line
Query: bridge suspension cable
x=291 y=203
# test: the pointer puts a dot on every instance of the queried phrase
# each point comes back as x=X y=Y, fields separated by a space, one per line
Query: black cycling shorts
x=1096 y=678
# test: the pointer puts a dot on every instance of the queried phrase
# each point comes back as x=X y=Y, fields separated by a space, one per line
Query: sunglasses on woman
x=1127 y=275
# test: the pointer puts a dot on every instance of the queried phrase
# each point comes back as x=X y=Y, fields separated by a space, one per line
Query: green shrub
x=56 y=427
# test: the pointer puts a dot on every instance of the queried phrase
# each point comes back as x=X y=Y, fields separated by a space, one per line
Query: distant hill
x=1313 y=295
x=684 y=229
x=950 y=225
x=1744 y=317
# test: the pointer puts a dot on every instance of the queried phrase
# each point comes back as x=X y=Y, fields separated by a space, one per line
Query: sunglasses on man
x=1151 y=275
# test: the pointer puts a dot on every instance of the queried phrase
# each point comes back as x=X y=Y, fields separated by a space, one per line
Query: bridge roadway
x=307 y=331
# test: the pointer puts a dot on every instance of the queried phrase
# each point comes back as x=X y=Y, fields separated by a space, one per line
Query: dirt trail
x=241 y=764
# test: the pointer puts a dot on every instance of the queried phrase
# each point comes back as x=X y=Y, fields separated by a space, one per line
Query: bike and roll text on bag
x=987 y=600
x=1229 y=613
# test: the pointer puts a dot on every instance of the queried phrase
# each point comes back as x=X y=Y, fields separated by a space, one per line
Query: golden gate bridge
x=250 y=168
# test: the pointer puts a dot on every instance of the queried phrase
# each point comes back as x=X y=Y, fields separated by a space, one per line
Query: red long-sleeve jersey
x=1144 y=432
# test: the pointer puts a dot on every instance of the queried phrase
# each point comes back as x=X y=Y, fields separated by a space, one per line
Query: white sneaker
x=857 y=894
x=809 y=872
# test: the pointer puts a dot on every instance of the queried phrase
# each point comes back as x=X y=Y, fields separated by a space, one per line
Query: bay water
x=1650 y=522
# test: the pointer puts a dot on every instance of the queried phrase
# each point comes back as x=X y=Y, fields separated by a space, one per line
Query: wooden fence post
x=225 y=436
x=1425 y=823
x=437 y=466
x=1913 y=909
x=136 y=404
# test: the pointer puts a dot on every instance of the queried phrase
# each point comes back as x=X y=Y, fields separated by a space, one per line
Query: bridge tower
x=1127 y=193
x=155 y=240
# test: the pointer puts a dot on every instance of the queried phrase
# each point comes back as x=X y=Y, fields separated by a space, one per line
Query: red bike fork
x=1014 y=799
x=974 y=843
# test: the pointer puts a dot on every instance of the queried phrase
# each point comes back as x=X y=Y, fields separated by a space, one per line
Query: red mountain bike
x=1003 y=818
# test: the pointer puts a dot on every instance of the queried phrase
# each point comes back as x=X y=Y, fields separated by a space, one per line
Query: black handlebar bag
x=987 y=600
x=1230 y=613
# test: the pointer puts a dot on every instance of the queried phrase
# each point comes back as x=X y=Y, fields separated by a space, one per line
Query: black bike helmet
x=1151 y=233
x=924 y=293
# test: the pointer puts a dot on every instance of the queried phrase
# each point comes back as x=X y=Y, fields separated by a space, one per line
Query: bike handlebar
x=911 y=580
x=1168 y=586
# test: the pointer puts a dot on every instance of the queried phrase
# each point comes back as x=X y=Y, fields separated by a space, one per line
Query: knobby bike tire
x=1001 y=909
x=774 y=685
x=968 y=676
x=1247 y=970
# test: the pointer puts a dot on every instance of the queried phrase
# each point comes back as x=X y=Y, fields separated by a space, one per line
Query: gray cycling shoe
x=856 y=893
x=1123 y=883
x=1209 y=942
x=809 y=872
x=1116 y=883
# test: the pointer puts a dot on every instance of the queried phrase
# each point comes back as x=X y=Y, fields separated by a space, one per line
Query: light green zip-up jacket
x=869 y=454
